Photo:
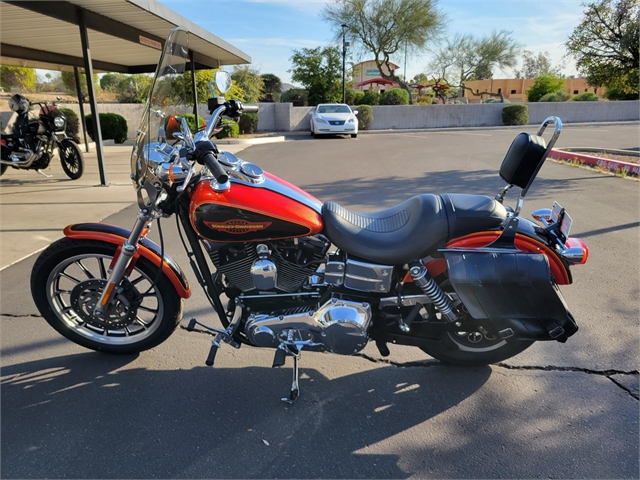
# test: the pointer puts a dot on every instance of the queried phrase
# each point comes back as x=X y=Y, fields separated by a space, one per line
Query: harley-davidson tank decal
x=237 y=226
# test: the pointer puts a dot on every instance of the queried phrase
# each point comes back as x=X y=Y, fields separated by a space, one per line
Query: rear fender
x=146 y=248
x=526 y=240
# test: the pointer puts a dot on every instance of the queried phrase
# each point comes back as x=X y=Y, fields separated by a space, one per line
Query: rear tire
x=71 y=159
x=68 y=278
x=459 y=350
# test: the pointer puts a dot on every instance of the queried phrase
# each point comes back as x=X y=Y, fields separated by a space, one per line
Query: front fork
x=127 y=251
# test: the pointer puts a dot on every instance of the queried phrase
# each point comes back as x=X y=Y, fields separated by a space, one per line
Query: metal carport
x=124 y=36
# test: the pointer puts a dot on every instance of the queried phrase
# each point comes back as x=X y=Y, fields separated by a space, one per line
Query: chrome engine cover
x=338 y=326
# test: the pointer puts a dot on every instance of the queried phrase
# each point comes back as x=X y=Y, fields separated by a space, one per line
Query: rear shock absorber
x=428 y=285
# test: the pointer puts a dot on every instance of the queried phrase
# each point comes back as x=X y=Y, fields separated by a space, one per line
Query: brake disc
x=122 y=310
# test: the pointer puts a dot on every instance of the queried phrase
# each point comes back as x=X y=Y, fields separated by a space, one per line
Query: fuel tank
x=266 y=208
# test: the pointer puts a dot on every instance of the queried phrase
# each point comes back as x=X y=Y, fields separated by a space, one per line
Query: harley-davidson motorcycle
x=463 y=277
x=31 y=144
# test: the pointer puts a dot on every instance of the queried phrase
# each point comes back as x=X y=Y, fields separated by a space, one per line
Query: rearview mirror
x=223 y=81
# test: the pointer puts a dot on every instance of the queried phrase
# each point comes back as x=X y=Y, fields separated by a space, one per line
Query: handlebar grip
x=215 y=168
x=249 y=108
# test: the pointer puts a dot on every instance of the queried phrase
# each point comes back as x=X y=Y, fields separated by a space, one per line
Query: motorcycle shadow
x=90 y=415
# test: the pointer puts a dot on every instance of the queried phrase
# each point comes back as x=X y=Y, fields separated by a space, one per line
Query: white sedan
x=334 y=118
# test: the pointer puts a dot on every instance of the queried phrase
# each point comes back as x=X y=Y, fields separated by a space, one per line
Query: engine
x=276 y=266
x=338 y=326
x=279 y=285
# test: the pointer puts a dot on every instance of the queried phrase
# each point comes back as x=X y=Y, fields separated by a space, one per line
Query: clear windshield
x=170 y=96
x=333 y=109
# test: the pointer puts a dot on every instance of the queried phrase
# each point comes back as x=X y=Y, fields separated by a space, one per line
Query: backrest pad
x=522 y=161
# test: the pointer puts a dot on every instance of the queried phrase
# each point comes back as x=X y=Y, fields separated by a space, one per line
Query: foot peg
x=279 y=358
x=225 y=336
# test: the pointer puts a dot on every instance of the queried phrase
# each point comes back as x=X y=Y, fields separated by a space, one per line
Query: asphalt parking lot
x=555 y=411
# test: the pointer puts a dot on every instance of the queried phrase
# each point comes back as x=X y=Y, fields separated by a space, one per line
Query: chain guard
x=121 y=312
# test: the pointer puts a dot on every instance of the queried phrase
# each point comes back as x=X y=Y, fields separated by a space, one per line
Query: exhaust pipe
x=24 y=158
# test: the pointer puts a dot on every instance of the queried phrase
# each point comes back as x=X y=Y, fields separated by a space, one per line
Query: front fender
x=146 y=248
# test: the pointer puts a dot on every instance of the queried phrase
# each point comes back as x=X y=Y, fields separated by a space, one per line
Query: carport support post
x=81 y=107
x=195 y=91
x=88 y=70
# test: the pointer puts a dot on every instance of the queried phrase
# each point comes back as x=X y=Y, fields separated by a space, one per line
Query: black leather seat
x=411 y=230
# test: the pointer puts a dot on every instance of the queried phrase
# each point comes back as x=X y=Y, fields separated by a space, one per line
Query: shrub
x=357 y=98
x=112 y=125
x=73 y=124
x=230 y=130
x=248 y=123
x=559 y=96
x=298 y=96
x=365 y=117
x=425 y=100
x=395 y=96
x=544 y=83
x=370 y=97
x=617 y=93
x=585 y=97
x=515 y=114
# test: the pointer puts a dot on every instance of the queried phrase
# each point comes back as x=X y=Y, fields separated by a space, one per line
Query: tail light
x=576 y=251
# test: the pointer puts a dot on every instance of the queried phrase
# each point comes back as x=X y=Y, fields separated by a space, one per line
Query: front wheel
x=71 y=159
x=67 y=281
x=3 y=168
x=475 y=348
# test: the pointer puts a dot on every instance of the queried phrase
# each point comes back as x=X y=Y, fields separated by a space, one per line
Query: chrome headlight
x=320 y=120
x=352 y=120
x=59 y=122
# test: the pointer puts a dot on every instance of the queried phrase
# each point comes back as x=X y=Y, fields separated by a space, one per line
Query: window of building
x=499 y=90
x=512 y=92
x=586 y=89
x=575 y=92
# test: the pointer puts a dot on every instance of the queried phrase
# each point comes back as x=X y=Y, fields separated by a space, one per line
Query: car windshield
x=168 y=100
x=333 y=109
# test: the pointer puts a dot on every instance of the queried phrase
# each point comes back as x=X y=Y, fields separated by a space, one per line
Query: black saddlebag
x=515 y=291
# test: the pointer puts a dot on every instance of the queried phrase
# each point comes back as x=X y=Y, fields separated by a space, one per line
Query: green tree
x=21 y=77
x=386 y=28
x=69 y=81
x=464 y=58
x=606 y=45
x=543 y=85
x=319 y=70
x=182 y=87
x=271 y=88
x=133 y=88
x=110 y=81
x=534 y=65
x=249 y=80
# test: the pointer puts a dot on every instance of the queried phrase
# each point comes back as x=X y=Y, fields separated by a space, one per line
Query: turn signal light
x=577 y=251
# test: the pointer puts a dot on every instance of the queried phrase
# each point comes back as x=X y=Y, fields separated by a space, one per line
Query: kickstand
x=295 y=389
x=44 y=174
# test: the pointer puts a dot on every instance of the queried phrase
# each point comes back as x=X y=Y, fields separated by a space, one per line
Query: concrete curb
x=250 y=141
x=611 y=165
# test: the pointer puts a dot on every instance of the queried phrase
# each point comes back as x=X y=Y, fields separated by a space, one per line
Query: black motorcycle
x=31 y=142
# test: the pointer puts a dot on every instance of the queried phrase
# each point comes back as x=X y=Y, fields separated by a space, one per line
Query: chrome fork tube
x=129 y=248
x=428 y=285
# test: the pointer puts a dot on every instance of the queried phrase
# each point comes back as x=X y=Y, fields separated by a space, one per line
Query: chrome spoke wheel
x=74 y=287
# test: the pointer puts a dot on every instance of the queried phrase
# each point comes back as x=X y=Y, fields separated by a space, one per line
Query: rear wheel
x=71 y=159
x=67 y=281
x=475 y=348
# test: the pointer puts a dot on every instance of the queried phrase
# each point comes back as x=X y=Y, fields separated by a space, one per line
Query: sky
x=269 y=30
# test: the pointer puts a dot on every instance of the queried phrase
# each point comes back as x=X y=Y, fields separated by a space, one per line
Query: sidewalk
x=35 y=209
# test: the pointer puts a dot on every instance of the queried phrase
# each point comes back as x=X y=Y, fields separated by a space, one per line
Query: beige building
x=368 y=70
x=515 y=89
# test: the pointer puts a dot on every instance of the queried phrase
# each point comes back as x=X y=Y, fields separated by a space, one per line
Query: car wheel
x=354 y=135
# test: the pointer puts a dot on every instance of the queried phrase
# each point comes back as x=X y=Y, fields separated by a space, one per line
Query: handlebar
x=215 y=168
x=250 y=109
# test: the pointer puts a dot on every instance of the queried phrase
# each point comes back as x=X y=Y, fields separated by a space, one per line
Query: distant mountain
x=287 y=86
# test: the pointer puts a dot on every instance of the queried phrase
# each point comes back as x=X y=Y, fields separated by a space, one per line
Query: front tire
x=473 y=349
x=3 y=168
x=67 y=280
x=71 y=159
